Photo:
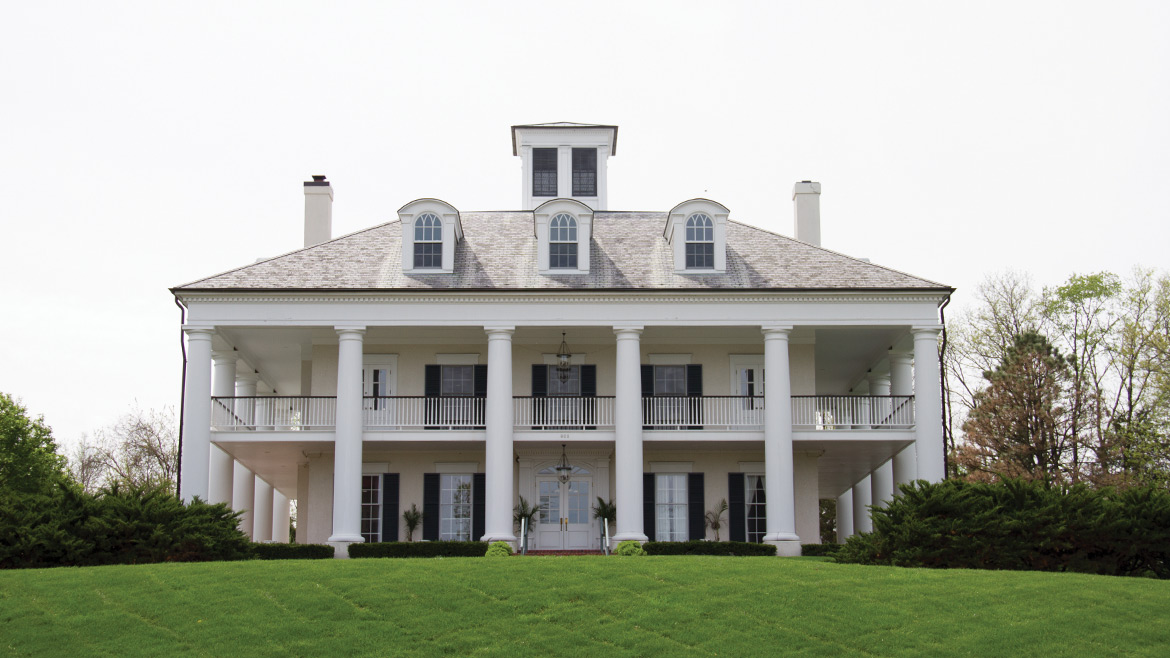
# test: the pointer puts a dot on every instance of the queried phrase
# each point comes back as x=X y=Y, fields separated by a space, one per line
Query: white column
x=498 y=426
x=778 y=460
x=262 y=511
x=347 y=442
x=223 y=384
x=882 y=484
x=246 y=388
x=861 y=500
x=902 y=383
x=627 y=433
x=244 y=497
x=280 y=514
x=196 y=415
x=602 y=178
x=928 y=405
x=564 y=171
x=844 y=516
x=880 y=410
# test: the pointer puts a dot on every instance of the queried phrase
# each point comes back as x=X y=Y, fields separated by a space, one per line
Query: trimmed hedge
x=268 y=551
x=629 y=548
x=698 y=547
x=819 y=549
x=419 y=549
x=499 y=549
x=1016 y=525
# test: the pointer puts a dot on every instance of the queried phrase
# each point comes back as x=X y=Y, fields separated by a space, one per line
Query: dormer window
x=562 y=242
x=544 y=172
x=700 y=252
x=584 y=172
x=428 y=242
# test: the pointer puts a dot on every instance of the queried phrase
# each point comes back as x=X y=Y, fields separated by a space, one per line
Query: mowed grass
x=574 y=606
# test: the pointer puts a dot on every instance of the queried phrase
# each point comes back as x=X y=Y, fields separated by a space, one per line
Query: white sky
x=145 y=145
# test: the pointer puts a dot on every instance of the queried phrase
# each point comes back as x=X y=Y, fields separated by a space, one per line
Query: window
x=544 y=172
x=428 y=241
x=562 y=242
x=756 y=508
x=584 y=172
x=458 y=381
x=570 y=386
x=700 y=244
x=670 y=506
x=372 y=508
x=670 y=380
x=455 y=507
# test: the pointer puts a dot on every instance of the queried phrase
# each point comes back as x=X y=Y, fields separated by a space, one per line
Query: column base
x=785 y=547
x=627 y=536
x=340 y=544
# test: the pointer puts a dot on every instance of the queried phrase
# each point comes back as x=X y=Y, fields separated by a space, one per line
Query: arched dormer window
x=700 y=249
x=428 y=241
x=562 y=242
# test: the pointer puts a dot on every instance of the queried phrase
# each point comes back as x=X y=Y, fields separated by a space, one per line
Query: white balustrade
x=859 y=412
x=707 y=412
x=273 y=412
x=563 y=412
x=418 y=412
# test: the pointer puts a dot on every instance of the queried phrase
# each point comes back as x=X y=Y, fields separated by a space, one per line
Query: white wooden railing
x=853 y=412
x=727 y=412
x=563 y=412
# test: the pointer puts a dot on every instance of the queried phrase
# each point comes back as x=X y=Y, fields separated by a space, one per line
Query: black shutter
x=589 y=390
x=648 y=505
x=736 y=514
x=539 y=380
x=480 y=387
x=647 y=390
x=478 y=505
x=696 y=515
x=432 y=388
x=390 y=507
x=430 y=506
x=695 y=390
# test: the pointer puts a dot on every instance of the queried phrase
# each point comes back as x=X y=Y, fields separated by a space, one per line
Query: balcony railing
x=711 y=412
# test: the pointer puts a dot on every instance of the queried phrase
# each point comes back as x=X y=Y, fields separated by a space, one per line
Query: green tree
x=29 y=461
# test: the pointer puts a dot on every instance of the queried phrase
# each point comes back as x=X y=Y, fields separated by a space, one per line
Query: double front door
x=565 y=521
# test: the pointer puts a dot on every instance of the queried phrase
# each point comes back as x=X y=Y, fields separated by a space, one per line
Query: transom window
x=756 y=507
x=700 y=246
x=544 y=172
x=584 y=172
x=455 y=507
x=670 y=505
x=562 y=242
x=372 y=508
x=428 y=241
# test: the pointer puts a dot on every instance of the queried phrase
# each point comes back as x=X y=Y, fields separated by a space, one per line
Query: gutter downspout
x=948 y=440
x=182 y=395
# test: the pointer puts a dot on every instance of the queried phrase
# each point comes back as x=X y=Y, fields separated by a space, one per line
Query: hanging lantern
x=564 y=361
x=564 y=470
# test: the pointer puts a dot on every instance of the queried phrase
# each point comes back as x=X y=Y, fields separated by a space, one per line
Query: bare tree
x=140 y=448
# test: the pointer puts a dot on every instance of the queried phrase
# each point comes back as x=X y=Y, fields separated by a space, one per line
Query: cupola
x=564 y=160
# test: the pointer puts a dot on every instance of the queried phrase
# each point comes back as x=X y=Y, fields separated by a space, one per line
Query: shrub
x=629 y=547
x=419 y=549
x=1020 y=525
x=819 y=549
x=499 y=549
x=697 y=547
x=292 y=551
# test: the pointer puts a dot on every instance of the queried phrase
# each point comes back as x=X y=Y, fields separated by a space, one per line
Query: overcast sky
x=145 y=145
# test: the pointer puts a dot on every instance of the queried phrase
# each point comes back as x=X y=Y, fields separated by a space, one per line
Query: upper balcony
x=560 y=413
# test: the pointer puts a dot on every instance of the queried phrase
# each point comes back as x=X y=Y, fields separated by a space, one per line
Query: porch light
x=564 y=361
x=564 y=470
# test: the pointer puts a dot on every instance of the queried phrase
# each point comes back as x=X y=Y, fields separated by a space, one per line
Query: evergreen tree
x=29 y=462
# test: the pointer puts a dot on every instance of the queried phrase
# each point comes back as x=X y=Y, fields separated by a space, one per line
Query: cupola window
x=544 y=172
x=700 y=249
x=428 y=241
x=584 y=172
x=562 y=242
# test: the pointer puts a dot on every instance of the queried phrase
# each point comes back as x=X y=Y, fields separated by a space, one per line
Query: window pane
x=562 y=255
x=584 y=172
x=670 y=499
x=570 y=386
x=700 y=255
x=458 y=380
x=544 y=172
x=371 y=508
x=455 y=507
x=670 y=380
x=756 y=508
x=428 y=254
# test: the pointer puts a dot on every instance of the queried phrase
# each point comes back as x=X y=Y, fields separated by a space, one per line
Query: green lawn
x=576 y=606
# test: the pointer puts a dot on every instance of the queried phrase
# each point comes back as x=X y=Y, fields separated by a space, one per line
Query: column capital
x=196 y=332
x=926 y=331
x=630 y=330
x=249 y=377
x=350 y=331
x=901 y=356
x=776 y=330
x=499 y=331
x=224 y=357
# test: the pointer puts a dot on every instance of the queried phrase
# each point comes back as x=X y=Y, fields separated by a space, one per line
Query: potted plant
x=607 y=511
x=714 y=518
x=521 y=512
x=412 y=517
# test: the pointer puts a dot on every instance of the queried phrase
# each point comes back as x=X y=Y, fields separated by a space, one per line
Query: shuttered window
x=584 y=172
x=544 y=172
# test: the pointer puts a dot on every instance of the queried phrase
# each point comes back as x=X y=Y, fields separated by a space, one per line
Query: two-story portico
x=456 y=361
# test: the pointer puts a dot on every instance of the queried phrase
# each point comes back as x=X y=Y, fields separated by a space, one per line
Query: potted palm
x=604 y=511
x=524 y=514
x=714 y=517
x=412 y=517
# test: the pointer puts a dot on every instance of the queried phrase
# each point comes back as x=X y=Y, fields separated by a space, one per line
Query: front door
x=565 y=521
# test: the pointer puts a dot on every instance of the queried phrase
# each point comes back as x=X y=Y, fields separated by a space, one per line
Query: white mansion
x=457 y=361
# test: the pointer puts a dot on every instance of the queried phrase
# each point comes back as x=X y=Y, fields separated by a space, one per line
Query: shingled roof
x=498 y=252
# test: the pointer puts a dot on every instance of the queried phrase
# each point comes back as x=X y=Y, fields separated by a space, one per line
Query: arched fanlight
x=564 y=470
x=564 y=361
